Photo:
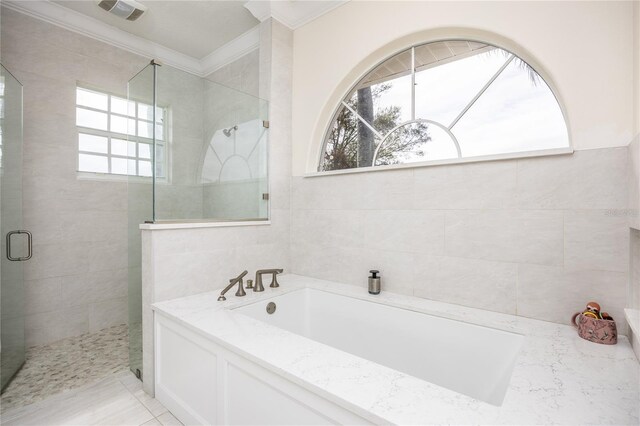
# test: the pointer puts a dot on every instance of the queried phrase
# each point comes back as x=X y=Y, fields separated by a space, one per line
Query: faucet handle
x=274 y=282
x=240 y=291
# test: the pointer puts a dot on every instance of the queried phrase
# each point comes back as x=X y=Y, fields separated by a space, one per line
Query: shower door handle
x=29 y=246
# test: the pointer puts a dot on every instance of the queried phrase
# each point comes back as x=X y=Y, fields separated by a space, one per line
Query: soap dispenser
x=374 y=282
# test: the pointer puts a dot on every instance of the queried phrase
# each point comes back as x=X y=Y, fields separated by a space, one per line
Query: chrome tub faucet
x=274 y=282
x=232 y=282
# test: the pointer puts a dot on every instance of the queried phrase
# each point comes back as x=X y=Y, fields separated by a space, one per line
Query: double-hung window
x=115 y=135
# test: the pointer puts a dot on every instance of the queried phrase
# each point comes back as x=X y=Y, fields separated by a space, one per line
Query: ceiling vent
x=127 y=9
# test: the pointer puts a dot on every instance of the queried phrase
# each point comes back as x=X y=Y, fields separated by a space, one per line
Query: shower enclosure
x=198 y=153
x=16 y=242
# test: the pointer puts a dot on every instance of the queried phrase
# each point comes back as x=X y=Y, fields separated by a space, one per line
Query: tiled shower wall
x=76 y=281
x=242 y=74
x=537 y=237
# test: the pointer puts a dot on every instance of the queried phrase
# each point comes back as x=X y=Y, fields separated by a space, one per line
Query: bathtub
x=331 y=353
x=470 y=359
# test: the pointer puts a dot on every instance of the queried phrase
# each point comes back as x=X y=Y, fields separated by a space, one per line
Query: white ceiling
x=194 y=28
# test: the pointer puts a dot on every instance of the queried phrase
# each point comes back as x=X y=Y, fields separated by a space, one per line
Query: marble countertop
x=559 y=378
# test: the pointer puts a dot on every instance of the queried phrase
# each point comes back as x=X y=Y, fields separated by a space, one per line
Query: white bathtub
x=333 y=354
x=470 y=359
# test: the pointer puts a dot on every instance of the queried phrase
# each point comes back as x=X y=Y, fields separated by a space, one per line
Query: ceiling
x=195 y=28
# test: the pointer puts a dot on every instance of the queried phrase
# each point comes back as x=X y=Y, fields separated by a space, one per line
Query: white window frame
x=108 y=134
x=382 y=138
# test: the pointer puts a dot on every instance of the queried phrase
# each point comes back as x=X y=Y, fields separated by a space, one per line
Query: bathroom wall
x=634 y=147
x=636 y=64
x=633 y=300
x=180 y=195
x=242 y=74
x=536 y=237
x=182 y=262
x=633 y=214
x=76 y=281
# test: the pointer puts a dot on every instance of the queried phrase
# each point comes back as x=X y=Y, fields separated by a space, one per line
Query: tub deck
x=557 y=378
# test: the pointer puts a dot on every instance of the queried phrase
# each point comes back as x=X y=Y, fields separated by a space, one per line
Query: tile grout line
x=139 y=402
x=142 y=403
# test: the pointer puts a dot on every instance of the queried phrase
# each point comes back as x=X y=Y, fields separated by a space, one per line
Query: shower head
x=227 y=132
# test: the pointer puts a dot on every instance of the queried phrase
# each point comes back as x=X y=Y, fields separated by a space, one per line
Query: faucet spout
x=274 y=282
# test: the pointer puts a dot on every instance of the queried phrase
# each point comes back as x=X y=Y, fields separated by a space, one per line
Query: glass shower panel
x=233 y=164
x=211 y=151
x=140 y=206
x=180 y=100
x=12 y=351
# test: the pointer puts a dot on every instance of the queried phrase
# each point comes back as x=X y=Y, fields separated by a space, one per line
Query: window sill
x=498 y=157
x=109 y=177
x=160 y=226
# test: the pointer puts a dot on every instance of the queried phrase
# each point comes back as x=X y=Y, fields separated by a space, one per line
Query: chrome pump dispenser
x=374 y=282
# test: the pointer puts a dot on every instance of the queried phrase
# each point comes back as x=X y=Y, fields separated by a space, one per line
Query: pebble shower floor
x=68 y=364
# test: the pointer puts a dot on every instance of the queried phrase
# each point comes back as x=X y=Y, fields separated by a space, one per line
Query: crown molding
x=71 y=20
x=293 y=14
x=235 y=49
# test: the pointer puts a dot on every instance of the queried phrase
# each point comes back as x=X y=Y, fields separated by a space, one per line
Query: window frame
x=342 y=103
x=109 y=135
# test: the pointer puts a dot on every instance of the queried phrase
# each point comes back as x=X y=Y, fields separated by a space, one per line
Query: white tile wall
x=537 y=237
x=592 y=179
x=464 y=186
x=633 y=298
x=633 y=213
x=634 y=183
x=555 y=293
x=596 y=239
x=479 y=283
x=533 y=236
x=422 y=231
x=242 y=74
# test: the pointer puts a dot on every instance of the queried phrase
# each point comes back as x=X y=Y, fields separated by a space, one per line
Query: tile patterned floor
x=67 y=364
x=115 y=400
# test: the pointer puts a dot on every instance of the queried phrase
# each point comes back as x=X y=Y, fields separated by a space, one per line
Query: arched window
x=444 y=100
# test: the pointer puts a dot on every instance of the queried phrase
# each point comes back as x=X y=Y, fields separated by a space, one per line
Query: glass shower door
x=16 y=247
